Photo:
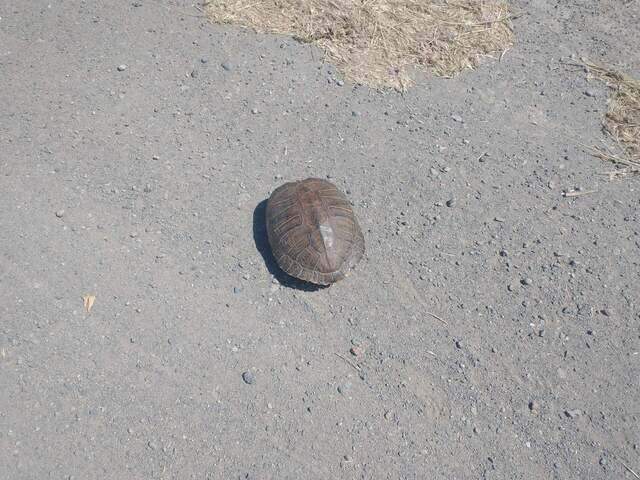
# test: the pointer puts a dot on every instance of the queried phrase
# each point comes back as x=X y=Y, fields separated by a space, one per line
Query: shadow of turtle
x=262 y=244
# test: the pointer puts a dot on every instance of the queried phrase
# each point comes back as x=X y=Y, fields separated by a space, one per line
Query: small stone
x=137 y=4
x=605 y=312
x=526 y=281
x=147 y=188
x=458 y=344
x=248 y=377
x=388 y=415
x=504 y=253
x=541 y=332
x=356 y=350
x=451 y=202
x=60 y=213
x=457 y=118
x=344 y=388
x=254 y=111
x=155 y=157
x=194 y=74
x=590 y=93
x=340 y=83
x=355 y=114
x=573 y=413
x=534 y=406
x=499 y=219
x=203 y=60
x=226 y=66
x=122 y=68
x=603 y=461
x=133 y=234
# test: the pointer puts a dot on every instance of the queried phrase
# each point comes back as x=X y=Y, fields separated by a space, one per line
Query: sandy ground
x=143 y=187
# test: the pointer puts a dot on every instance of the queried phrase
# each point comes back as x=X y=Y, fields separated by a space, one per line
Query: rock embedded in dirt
x=248 y=378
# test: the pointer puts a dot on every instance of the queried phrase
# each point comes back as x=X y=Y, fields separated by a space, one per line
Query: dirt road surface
x=494 y=322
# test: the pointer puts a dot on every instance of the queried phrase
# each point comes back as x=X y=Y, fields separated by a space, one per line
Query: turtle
x=313 y=232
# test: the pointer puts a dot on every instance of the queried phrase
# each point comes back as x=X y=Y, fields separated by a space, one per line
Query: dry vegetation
x=379 y=42
x=622 y=120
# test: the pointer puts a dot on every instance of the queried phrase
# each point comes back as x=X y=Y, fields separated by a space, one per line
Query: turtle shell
x=313 y=232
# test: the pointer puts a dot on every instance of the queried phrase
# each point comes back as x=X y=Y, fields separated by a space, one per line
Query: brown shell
x=313 y=232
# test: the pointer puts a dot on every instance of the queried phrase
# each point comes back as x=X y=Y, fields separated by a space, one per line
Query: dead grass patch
x=622 y=120
x=379 y=42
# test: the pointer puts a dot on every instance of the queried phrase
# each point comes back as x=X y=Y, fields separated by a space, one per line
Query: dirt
x=492 y=330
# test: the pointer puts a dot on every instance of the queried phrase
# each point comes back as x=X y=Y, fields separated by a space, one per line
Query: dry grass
x=622 y=120
x=379 y=42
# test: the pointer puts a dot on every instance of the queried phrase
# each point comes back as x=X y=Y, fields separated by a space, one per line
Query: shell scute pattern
x=313 y=231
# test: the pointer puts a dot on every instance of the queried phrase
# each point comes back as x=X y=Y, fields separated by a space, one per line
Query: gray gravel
x=196 y=289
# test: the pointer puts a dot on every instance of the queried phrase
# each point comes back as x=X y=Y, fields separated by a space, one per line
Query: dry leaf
x=88 y=302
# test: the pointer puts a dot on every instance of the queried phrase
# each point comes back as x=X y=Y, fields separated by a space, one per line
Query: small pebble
x=254 y=111
x=590 y=93
x=451 y=202
x=573 y=413
x=534 y=406
x=499 y=219
x=226 y=66
x=603 y=461
x=60 y=213
x=203 y=60
x=605 y=312
x=344 y=388
x=457 y=118
x=122 y=68
x=355 y=114
x=541 y=332
x=248 y=377
x=356 y=350
x=340 y=83
x=194 y=74
x=504 y=253
x=133 y=234
x=388 y=415
x=526 y=281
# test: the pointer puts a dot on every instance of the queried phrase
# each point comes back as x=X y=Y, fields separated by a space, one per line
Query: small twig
x=631 y=471
x=488 y=22
x=436 y=317
x=578 y=194
x=348 y=361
